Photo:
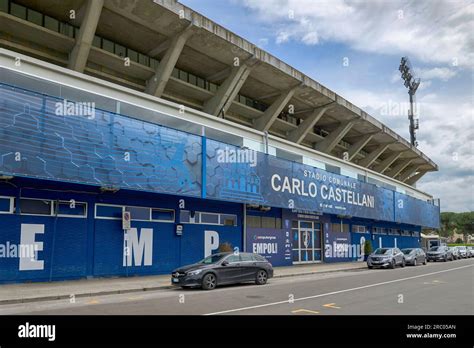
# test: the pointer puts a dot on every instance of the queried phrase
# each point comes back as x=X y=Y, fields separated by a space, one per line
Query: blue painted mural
x=50 y=138
x=55 y=139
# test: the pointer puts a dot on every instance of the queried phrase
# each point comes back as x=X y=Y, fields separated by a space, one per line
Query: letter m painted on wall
x=138 y=248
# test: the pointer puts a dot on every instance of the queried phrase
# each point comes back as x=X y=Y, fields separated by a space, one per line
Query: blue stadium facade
x=69 y=174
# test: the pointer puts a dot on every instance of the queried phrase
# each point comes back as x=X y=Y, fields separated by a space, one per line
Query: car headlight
x=193 y=273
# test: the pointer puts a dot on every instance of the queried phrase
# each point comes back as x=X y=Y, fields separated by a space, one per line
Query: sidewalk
x=32 y=292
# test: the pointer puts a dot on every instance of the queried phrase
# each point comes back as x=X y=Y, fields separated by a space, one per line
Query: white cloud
x=445 y=135
x=435 y=31
x=443 y=74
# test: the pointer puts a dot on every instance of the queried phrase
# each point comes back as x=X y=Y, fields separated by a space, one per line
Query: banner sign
x=276 y=182
x=414 y=211
x=243 y=175
x=271 y=243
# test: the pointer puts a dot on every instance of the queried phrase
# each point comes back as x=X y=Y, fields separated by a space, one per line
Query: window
x=97 y=42
x=268 y=222
x=18 y=10
x=162 y=215
x=144 y=60
x=247 y=257
x=333 y=169
x=71 y=209
x=6 y=205
x=133 y=55
x=208 y=218
x=108 y=45
x=112 y=212
x=192 y=79
x=66 y=29
x=139 y=213
x=337 y=227
x=120 y=50
x=186 y=217
x=228 y=220
x=30 y=206
x=35 y=17
x=360 y=229
x=233 y=258
x=4 y=6
x=154 y=63
x=254 y=221
x=51 y=23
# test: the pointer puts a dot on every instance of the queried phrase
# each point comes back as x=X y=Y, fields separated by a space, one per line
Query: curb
x=151 y=288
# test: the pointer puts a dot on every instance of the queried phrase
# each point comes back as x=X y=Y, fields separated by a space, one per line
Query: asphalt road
x=434 y=289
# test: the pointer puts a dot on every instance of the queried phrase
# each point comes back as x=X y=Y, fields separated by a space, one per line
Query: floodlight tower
x=412 y=84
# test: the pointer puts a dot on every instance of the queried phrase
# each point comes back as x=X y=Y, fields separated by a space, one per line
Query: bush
x=367 y=247
x=225 y=247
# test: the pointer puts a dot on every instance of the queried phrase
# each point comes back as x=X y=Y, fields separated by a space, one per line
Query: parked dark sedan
x=224 y=268
x=414 y=256
x=440 y=253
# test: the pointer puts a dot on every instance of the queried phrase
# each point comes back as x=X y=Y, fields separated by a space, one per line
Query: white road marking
x=335 y=292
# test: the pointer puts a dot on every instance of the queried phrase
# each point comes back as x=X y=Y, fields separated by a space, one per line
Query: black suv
x=224 y=268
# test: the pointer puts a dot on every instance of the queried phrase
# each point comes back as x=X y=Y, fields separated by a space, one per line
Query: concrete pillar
x=399 y=167
x=157 y=83
x=330 y=141
x=373 y=155
x=264 y=122
x=297 y=135
x=383 y=166
x=80 y=52
x=355 y=148
x=413 y=179
x=408 y=172
x=227 y=92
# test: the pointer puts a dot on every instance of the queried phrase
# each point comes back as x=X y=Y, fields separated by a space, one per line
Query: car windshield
x=212 y=259
x=382 y=251
x=407 y=251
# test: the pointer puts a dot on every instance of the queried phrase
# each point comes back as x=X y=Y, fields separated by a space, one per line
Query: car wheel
x=261 y=277
x=445 y=259
x=370 y=267
x=403 y=263
x=209 y=282
x=392 y=264
x=414 y=262
x=424 y=262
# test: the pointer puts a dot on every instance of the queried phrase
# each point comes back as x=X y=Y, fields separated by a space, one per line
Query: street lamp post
x=412 y=84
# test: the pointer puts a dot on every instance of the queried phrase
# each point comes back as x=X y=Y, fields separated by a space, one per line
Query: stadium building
x=138 y=136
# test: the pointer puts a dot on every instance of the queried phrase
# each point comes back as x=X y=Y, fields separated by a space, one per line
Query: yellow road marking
x=331 y=305
x=304 y=311
x=92 y=302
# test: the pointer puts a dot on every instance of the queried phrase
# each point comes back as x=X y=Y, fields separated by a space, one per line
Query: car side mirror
x=225 y=263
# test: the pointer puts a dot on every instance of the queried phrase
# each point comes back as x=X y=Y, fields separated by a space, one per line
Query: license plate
x=175 y=280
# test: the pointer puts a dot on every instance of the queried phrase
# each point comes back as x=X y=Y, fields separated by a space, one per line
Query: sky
x=354 y=48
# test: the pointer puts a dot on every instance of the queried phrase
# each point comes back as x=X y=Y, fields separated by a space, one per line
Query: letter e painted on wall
x=140 y=249
x=211 y=242
x=27 y=239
